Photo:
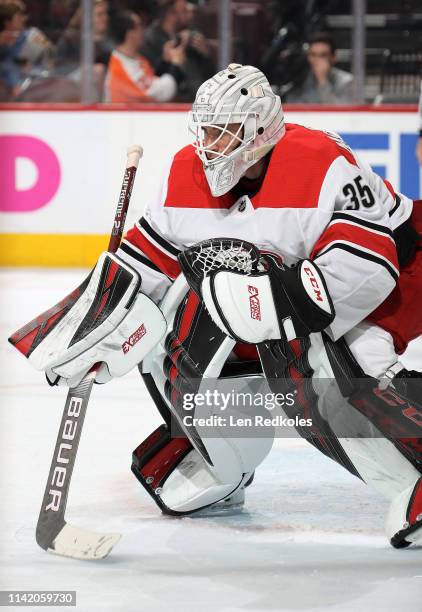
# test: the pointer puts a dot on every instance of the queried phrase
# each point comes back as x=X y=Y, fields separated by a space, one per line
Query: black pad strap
x=287 y=369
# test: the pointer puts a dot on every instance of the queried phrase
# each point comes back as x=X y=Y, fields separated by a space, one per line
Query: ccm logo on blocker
x=314 y=287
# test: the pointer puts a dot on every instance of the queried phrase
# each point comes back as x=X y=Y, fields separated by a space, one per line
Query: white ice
x=310 y=537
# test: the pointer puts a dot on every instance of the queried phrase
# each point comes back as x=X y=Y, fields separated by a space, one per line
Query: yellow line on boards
x=55 y=250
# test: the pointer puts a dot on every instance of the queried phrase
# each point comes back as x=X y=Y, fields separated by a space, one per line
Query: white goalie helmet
x=239 y=95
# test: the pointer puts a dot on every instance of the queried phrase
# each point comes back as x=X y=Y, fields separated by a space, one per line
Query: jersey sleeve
x=163 y=88
x=398 y=206
x=356 y=252
x=148 y=248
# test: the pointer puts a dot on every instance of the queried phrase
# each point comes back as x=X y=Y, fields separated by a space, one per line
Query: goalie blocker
x=105 y=321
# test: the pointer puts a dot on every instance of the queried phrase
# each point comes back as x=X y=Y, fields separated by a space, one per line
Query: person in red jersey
x=276 y=255
x=302 y=195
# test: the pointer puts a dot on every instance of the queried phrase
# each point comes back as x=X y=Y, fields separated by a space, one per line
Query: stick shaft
x=134 y=155
x=51 y=521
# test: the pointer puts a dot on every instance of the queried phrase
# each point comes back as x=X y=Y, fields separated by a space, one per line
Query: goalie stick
x=53 y=533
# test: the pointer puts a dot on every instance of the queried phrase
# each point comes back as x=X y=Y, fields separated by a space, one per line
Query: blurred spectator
x=27 y=60
x=12 y=24
x=324 y=83
x=59 y=13
x=130 y=76
x=69 y=46
x=25 y=52
x=37 y=50
x=419 y=142
x=146 y=9
x=173 y=27
x=199 y=65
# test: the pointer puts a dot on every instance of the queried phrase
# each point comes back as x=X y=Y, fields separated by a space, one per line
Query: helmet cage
x=244 y=135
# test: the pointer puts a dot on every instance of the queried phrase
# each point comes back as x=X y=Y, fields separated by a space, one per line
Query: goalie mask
x=239 y=106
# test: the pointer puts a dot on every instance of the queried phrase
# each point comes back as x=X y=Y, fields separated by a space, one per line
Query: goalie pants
x=400 y=313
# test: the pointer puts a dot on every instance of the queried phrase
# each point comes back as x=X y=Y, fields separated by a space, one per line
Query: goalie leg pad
x=391 y=466
x=404 y=519
x=177 y=477
x=195 y=349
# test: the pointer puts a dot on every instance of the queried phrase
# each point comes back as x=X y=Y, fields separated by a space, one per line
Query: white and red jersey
x=317 y=200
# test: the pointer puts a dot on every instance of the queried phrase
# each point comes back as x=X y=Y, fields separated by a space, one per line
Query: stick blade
x=83 y=544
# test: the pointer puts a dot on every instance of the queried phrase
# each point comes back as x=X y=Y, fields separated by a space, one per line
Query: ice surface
x=311 y=536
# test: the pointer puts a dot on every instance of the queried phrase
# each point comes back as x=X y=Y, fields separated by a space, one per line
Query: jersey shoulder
x=186 y=153
x=299 y=165
x=316 y=145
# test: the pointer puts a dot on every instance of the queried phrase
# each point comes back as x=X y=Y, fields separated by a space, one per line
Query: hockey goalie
x=270 y=252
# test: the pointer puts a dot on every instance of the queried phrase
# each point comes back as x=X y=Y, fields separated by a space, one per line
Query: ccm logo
x=134 y=338
x=254 y=304
x=314 y=282
x=390 y=398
